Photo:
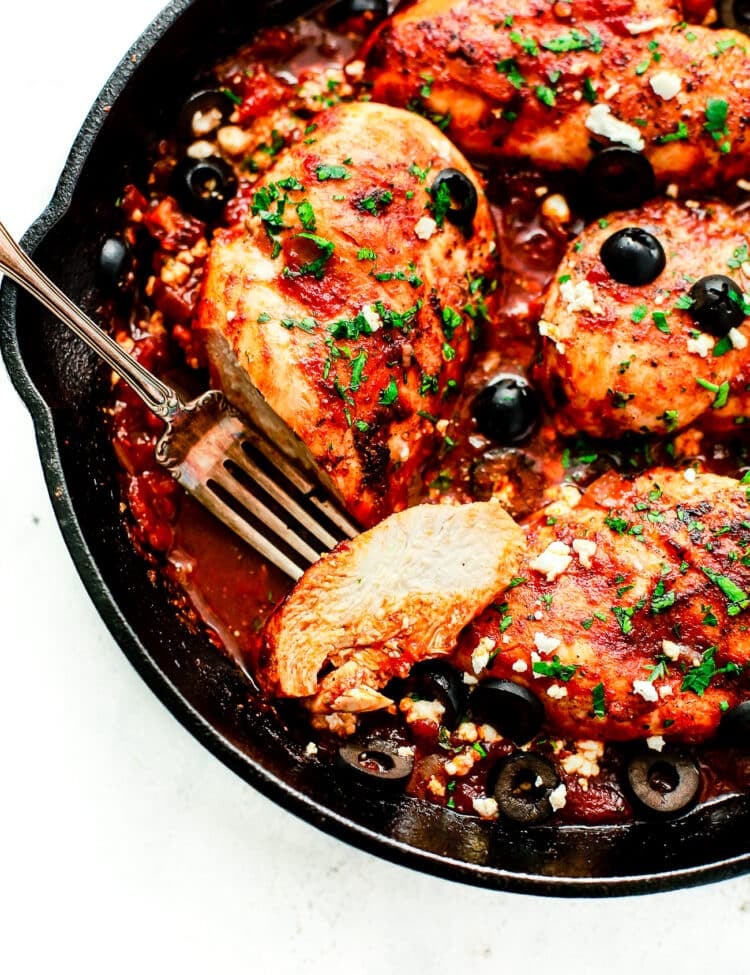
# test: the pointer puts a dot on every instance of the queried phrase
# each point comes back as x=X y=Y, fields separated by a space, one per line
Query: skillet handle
x=158 y=396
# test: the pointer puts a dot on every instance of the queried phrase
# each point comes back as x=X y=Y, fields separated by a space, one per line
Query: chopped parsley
x=717 y=111
x=306 y=215
x=366 y=254
x=389 y=394
x=376 y=201
x=598 y=704
x=509 y=67
x=639 y=313
x=737 y=599
x=555 y=669
x=576 y=40
x=325 y=172
x=316 y=267
x=680 y=134
x=698 y=678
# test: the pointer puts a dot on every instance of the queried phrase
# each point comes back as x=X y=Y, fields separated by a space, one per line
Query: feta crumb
x=425 y=227
x=743 y=184
x=585 y=550
x=519 y=666
x=689 y=474
x=644 y=26
x=535 y=658
x=666 y=690
x=469 y=679
x=538 y=782
x=467 y=731
x=737 y=338
x=538 y=614
x=557 y=692
x=435 y=786
x=666 y=84
x=422 y=710
x=231 y=315
x=672 y=191
x=612 y=90
x=462 y=763
x=555 y=208
x=405 y=751
x=672 y=650
x=480 y=655
x=585 y=760
x=553 y=561
x=546 y=644
x=486 y=808
x=549 y=330
x=600 y=121
x=558 y=797
x=371 y=316
x=655 y=743
x=646 y=690
x=579 y=297
x=702 y=346
x=311 y=748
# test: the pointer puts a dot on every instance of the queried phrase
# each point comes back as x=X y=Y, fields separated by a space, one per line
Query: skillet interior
x=64 y=386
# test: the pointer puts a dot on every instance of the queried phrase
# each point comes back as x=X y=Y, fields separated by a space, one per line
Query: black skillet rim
x=269 y=785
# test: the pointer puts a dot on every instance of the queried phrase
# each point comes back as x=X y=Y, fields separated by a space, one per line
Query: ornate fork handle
x=158 y=396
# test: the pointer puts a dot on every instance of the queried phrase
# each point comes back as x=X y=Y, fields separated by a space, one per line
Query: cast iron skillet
x=64 y=386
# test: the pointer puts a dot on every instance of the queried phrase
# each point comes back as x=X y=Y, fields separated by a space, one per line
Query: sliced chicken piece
x=547 y=81
x=619 y=357
x=631 y=620
x=340 y=303
x=397 y=594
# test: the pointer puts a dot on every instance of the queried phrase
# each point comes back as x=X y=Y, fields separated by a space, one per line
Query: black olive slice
x=463 y=195
x=113 y=264
x=373 y=10
x=377 y=761
x=435 y=680
x=523 y=786
x=506 y=410
x=512 y=709
x=616 y=178
x=735 y=725
x=203 y=112
x=735 y=14
x=633 y=256
x=717 y=304
x=665 y=782
x=204 y=186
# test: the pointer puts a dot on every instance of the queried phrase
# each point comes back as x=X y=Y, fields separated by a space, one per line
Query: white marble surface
x=124 y=845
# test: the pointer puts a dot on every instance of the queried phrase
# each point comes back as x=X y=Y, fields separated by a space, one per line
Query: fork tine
x=334 y=514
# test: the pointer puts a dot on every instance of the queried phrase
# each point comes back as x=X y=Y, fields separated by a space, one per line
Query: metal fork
x=218 y=456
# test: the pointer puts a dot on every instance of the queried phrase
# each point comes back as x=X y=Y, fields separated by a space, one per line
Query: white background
x=124 y=845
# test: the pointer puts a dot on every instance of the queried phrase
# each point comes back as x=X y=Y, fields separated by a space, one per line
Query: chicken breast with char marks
x=396 y=594
x=340 y=301
x=540 y=81
x=632 y=617
x=621 y=357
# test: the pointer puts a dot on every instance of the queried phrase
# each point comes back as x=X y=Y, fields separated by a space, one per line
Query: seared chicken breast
x=396 y=594
x=630 y=614
x=339 y=302
x=552 y=82
x=620 y=357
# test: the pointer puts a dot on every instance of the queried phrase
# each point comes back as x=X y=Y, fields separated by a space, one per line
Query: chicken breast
x=552 y=82
x=396 y=594
x=340 y=301
x=630 y=619
x=620 y=357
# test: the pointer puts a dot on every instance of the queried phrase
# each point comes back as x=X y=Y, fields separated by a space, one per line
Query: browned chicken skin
x=540 y=81
x=341 y=298
x=630 y=358
x=632 y=617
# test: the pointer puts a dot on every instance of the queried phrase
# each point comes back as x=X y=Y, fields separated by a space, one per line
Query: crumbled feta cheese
x=546 y=644
x=435 y=786
x=672 y=191
x=646 y=690
x=538 y=614
x=585 y=550
x=469 y=679
x=644 y=26
x=488 y=733
x=689 y=474
x=666 y=690
x=743 y=184
x=202 y=149
x=612 y=90
x=486 y=808
x=538 y=782
x=231 y=315
x=553 y=561
x=467 y=731
x=480 y=655
x=556 y=209
x=425 y=227
x=655 y=743
x=601 y=121
x=557 y=692
x=665 y=84
x=549 y=330
x=371 y=316
x=558 y=797
x=405 y=751
x=672 y=650
x=311 y=748
x=585 y=760
x=702 y=346
x=535 y=658
x=422 y=710
x=579 y=296
x=519 y=666
x=737 y=338
x=462 y=763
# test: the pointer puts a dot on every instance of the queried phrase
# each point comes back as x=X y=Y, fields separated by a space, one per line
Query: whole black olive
x=435 y=680
x=204 y=186
x=113 y=264
x=664 y=782
x=462 y=193
x=523 y=787
x=735 y=14
x=203 y=112
x=633 y=256
x=512 y=709
x=377 y=761
x=374 y=10
x=506 y=410
x=717 y=304
x=616 y=178
x=735 y=725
